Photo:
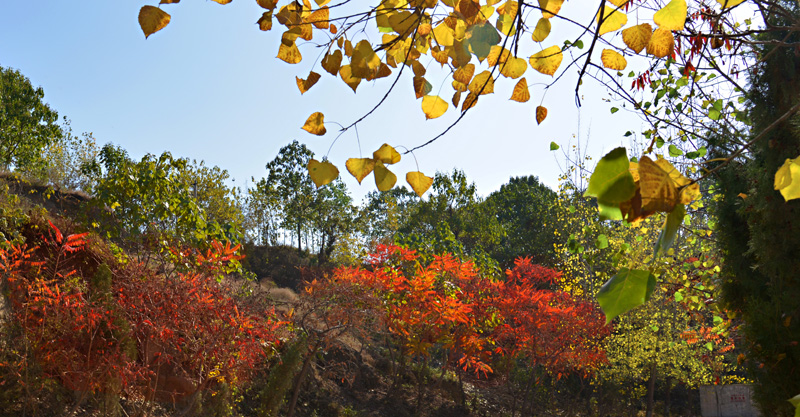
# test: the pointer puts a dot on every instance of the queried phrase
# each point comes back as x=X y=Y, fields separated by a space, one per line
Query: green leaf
x=709 y=346
x=481 y=38
x=670 y=229
x=614 y=110
x=717 y=320
x=698 y=153
x=678 y=296
x=601 y=242
x=659 y=142
x=554 y=146
x=628 y=289
x=714 y=114
x=611 y=182
x=578 y=44
x=674 y=151
x=795 y=401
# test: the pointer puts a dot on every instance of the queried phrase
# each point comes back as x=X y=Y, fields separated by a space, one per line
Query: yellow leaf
x=418 y=68
x=552 y=7
x=267 y=4
x=612 y=20
x=421 y=87
x=521 y=93
x=440 y=55
x=332 y=62
x=265 y=21
x=444 y=35
x=787 y=179
x=547 y=61
x=618 y=3
x=322 y=172
x=541 y=114
x=386 y=155
x=464 y=74
x=315 y=124
x=637 y=37
x=384 y=179
x=304 y=85
x=169 y=1
x=320 y=18
x=634 y=169
x=456 y=98
x=497 y=54
x=419 y=182
x=514 y=68
x=289 y=53
x=433 y=106
x=364 y=60
x=360 y=167
x=661 y=43
x=657 y=187
x=613 y=60
x=347 y=77
x=542 y=30
x=672 y=16
x=469 y=102
x=223 y=1
x=152 y=19
x=688 y=191
x=730 y=3
x=482 y=84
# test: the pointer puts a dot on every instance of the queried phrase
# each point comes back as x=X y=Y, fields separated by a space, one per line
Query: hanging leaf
x=304 y=85
x=483 y=83
x=433 y=106
x=547 y=61
x=322 y=172
x=554 y=146
x=421 y=87
x=637 y=37
x=384 y=179
x=348 y=78
x=469 y=102
x=672 y=16
x=542 y=30
x=152 y=19
x=419 y=182
x=552 y=7
x=265 y=21
x=659 y=192
x=670 y=229
x=661 y=44
x=612 y=182
x=628 y=289
x=513 y=68
x=289 y=53
x=611 y=20
x=464 y=75
x=320 y=18
x=521 y=93
x=730 y=3
x=613 y=60
x=360 y=167
x=386 y=155
x=332 y=62
x=787 y=179
x=315 y=124
x=541 y=114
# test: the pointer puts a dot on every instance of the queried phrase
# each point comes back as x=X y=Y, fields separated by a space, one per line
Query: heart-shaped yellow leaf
x=613 y=60
x=419 y=182
x=464 y=74
x=348 y=78
x=672 y=16
x=661 y=44
x=657 y=187
x=332 y=62
x=637 y=37
x=320 y=18
x=514 y=68
x=552 y=7
x=497 y=54
x=386 y=155
x=304 y=85
x=541 y=114
x=611 y=20
x=469 y=102
x=787 y=179
x=483 y=83
x=289 y=53
x=547 y=61
x=360 y=167
x=542 y=30
x=433 y=106
x=152 y=19
x=315 y=124
x=521 y=93
x=688 y=191
x=322 y=172
x=729 y=3
x=384 y=179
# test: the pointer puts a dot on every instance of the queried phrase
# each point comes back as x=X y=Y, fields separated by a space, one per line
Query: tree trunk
x=667 y=398
x=298 y=383
x=651 y=387
x=299 y=239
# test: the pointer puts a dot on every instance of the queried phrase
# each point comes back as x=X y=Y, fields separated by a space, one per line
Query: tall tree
x=27 y=124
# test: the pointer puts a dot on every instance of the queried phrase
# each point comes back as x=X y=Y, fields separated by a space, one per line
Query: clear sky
x=209 y=87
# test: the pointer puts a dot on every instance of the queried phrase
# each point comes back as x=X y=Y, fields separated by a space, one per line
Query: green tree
x=27 y=124
x=64 y=160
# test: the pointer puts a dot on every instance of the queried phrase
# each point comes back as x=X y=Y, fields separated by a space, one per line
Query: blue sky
x=209 y=87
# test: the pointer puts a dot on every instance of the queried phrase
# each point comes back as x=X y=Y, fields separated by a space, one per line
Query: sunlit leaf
x=513 y=68
x=542 y=30
x=628 y=289
x=360 y=167
x=315 y=124
x=152 y=19
x=222 y=1
x=364 y=60
x=730 y=3
x=289 y=53
x=658 y=190
x=482 y=83
x=322 y=172
x=552 y=7
x=265 y=21
x=554 y=146
x=498 y=54
x=787 y=179
x=444 y=35
x=386 y=154
x=421 y=87
x=547 y=61
x=611 y=182
x=348 y=78
x=521 y=93
x=419 y=182
x=661 y=44
x=464 y=74
x=384 y=179
x=469 y=102
x=611 y=20
x=304 y=85
x=613 y=60
x=688 y=191
x=267 y=4
x=637 y=37
x=332 y=62
x=541 y=114
x=672 y=16
x=670 y=229
x=433 y=106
